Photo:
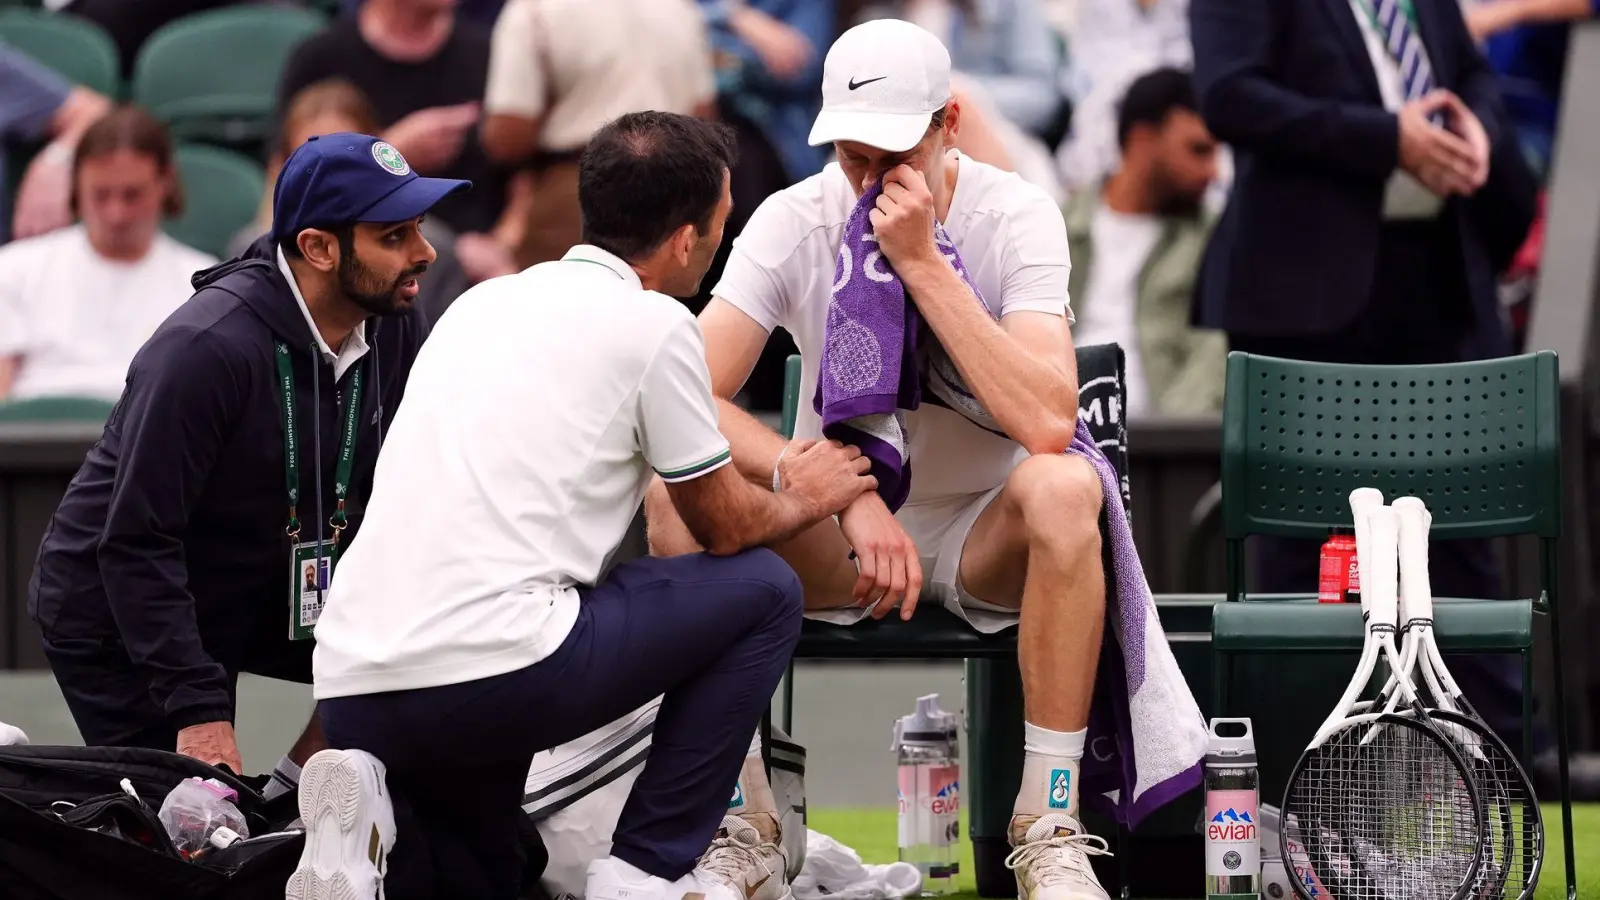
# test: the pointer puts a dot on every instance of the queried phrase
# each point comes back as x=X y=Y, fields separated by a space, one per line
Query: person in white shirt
x=474 y=623
x=77 y=303
x=992 y=526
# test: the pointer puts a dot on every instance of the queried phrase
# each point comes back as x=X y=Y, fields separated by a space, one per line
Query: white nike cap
x=881 y=84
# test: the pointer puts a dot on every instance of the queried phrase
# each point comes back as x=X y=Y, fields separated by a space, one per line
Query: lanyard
x=347 y=443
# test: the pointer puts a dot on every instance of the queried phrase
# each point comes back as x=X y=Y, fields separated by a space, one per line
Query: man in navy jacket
x=173 y=563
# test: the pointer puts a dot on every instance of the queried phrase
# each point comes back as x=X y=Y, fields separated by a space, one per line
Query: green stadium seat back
x=214 y=75
x=55 y=409
x=223 y=191
x=78 y=49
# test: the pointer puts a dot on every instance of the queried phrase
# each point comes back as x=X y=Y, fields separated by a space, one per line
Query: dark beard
x=368 y=290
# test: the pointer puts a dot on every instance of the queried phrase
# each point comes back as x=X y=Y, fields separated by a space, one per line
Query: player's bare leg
x=1037 y=548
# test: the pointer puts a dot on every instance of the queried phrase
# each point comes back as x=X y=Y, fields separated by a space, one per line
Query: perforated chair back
x=1477 y=441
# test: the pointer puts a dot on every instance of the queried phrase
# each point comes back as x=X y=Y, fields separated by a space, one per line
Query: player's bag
x=70 y=830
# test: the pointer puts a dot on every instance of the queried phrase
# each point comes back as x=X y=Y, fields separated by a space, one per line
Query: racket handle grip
x=1415 y=587
x=1379 y=566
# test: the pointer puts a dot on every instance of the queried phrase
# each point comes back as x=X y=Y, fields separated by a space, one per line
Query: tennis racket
x=1386 y=807
x=1515 y=851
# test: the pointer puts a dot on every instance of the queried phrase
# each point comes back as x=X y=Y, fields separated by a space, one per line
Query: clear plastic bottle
x=1233 y=815
x=927 y=749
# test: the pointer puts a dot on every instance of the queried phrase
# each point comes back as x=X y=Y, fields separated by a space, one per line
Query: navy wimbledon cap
x=347 y=177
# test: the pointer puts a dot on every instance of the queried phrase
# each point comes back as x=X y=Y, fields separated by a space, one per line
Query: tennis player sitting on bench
x=994 y=529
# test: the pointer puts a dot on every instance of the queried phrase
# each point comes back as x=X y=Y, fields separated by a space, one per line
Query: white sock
x=1049 y=771
x=285 y=778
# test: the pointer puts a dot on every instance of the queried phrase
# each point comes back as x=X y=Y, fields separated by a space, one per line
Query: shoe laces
x=735 y=851
x=1057 y=853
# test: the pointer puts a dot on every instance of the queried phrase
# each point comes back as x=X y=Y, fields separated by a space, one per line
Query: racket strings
x=1515 y=830
x=1389 y=816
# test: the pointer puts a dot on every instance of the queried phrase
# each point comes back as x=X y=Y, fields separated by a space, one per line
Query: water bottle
x=928 y=755
x=1232 y=816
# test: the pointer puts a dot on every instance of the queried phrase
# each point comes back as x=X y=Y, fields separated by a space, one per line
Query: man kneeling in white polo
x=472 y=624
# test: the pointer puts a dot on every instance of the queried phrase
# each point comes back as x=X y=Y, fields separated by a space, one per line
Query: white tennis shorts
x=940 y=528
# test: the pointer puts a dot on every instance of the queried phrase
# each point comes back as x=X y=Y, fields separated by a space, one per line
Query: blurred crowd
x=1091 y=100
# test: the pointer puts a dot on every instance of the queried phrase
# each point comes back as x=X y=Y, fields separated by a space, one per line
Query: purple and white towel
x=1147 y=739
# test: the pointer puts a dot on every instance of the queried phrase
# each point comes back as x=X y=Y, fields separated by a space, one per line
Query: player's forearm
x=739 y=514
x=1032 y=400
x=755 y=447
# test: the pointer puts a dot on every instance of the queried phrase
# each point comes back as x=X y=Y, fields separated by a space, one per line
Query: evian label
x=1233 y=838
x=930 y=805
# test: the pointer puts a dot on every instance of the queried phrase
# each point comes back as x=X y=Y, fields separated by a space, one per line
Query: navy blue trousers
x=712 y=634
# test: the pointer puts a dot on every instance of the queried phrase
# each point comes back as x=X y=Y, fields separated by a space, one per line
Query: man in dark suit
x=1362 y=133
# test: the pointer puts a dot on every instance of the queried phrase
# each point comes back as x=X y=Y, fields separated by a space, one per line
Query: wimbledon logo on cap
x=390 y=158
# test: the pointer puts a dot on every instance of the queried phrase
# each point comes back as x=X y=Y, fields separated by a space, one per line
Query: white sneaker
x=613 y=879
x=1051 y=859
x=742 y=864
x=12 y=736
x=349 y=828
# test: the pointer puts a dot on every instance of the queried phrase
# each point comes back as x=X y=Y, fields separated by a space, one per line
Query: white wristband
x=777 y=478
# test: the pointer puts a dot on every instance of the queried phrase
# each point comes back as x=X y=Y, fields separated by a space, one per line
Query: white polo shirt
x=532 y=420
x=1011 y=237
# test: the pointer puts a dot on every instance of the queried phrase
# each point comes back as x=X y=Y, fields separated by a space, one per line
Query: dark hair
x=129 y=128
x=647 y=174
x=1151 y=98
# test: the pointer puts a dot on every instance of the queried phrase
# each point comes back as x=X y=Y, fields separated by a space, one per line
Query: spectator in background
x=423 y=70
x=1136 y=248
x=769 y=73
x=78 y=302
x=36 y=104
x=1111 y=43
x=131 y=22
x=329 y=107
x=478 y=12
x=1347 y=237
x=558 y=71
x=1526 y=43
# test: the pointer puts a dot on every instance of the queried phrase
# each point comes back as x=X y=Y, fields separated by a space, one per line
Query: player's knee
x=1059 y=498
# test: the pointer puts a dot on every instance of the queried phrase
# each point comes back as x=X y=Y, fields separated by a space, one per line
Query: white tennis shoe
x=349 y=828
x=1051 y=859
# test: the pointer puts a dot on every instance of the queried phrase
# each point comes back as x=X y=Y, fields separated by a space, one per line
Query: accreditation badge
x=310 y=573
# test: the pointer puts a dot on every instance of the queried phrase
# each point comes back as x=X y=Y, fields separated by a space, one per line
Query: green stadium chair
x=213 y=76
x=994 y=686
x=223 y=192
x=55 y=409
x=77 y=48
x=1477 y=441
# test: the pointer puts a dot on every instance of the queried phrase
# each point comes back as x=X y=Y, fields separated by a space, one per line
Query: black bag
x=69 y=831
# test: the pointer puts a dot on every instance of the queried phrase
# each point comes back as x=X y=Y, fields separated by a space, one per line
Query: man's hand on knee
x=890 y=570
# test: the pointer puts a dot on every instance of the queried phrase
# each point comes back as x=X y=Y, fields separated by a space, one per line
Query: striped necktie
x=1396 y=23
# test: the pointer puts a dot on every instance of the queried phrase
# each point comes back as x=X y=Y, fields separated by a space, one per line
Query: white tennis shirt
x=532 y=420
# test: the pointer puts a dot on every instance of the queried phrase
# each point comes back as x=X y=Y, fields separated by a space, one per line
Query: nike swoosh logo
x=855 y=84
x=751 y=890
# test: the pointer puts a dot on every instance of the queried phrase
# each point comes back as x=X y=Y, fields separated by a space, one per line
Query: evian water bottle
x=928 y=753
x=1233 y=835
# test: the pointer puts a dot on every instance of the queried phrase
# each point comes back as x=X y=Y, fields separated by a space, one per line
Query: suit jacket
x=1290 y=86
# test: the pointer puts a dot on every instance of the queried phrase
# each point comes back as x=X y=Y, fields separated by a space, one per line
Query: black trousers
x=1419 y=313
x=109 y=697
x=714 y=634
